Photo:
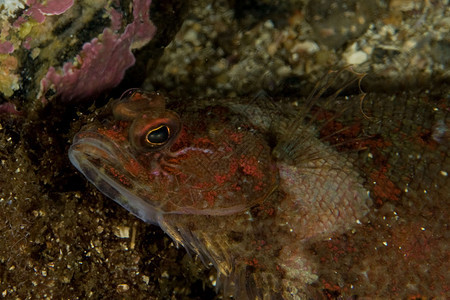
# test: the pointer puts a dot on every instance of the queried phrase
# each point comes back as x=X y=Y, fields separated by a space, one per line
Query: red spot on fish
x=252 y=262
x=270 y=211
x=133 y=167
x=236 y=137
x=424 y=137
x=202 y=185
x=120 y=177
x=384 y=189
x=210 y=197
x=202 y=142
x=236 y=187
x=113 y=133
x=259 y=244
x=220 y=179
x=249 y=166
x=330 y=290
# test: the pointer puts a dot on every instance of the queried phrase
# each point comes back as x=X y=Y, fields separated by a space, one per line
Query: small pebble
x=356 y=58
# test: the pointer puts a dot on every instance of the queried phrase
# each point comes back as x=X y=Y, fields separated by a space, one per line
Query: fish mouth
x=93 y=154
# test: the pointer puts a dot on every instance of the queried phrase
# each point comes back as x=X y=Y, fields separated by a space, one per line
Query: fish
x=249 y=185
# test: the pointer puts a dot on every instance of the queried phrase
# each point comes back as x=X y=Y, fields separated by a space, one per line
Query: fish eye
x=158 y=136
x=154 y=133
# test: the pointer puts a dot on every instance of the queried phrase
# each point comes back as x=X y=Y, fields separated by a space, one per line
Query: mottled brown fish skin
x=270 y=196
x=402 y=249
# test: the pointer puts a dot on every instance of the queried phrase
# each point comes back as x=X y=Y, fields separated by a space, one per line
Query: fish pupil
x=158 y=136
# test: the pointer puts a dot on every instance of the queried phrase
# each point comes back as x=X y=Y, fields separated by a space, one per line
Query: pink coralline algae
x=8 y=108
x=6 y=47
x=102 y=63
x=38 y=11
x=69 y=50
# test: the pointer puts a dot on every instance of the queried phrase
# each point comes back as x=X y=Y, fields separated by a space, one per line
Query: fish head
x=155 y=161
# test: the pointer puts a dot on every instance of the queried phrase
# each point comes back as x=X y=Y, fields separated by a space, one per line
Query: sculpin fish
x=245 y=185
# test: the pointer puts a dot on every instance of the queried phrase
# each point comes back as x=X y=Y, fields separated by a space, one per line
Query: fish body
x=241 y=187
x=249 y=186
